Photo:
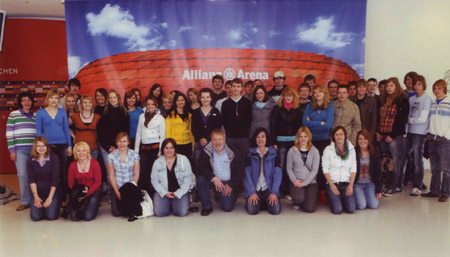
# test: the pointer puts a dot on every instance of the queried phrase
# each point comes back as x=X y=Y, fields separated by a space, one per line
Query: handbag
x=147 y=206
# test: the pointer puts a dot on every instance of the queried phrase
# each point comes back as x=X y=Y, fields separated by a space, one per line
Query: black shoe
x=424 y=187
x=206 y=212
x=193 y=209
x=132 y=218
x=429 y=194
x=443 y=199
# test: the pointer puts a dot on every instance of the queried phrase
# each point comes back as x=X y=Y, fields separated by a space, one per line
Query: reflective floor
x=402 y=226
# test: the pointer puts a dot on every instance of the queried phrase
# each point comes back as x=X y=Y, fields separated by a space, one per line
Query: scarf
x=344 y=153
x=288 y=106
x=260 y=105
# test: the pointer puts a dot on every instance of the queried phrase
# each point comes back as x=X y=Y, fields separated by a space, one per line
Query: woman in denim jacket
x=262 y=175
x=172 y=179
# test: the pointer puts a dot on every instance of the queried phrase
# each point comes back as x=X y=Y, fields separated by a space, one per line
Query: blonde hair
x=119 y=101
x=50 y=93
x=88 y=98
x=289 y=91
x=41 y=139
x=442 y=84
x=168 y=96
x=305 y=130
x=75 y=109
x=83 y=145
x=326 y=97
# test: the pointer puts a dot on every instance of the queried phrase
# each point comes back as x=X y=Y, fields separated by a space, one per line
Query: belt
x=438 y=138
x=150 y=146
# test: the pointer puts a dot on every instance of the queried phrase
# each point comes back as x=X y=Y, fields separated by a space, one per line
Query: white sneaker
x=296 y=207
x=415 y=192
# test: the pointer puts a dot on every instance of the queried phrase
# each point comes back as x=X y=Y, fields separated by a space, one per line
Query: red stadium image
x=180 y=69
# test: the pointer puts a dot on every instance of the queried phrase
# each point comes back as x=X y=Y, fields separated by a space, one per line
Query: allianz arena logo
x=228 y=74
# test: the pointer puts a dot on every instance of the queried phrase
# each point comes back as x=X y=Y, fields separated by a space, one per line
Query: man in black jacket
x=217 y=165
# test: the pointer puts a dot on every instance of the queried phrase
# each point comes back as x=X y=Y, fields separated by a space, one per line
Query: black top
x=374 y=170
x=237 y=117
x=171 y=178
x=44 y=177
x=113 y=122
x=276 y=93
x=216 y=97
x=99 y=110
x=304 y=155
x=200 y=128
x=284 y=122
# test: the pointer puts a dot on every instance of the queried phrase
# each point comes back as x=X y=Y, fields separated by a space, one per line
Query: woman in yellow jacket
x=178 y=125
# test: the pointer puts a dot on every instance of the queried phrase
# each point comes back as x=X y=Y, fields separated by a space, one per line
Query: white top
x=155 y=132
x=339 y=170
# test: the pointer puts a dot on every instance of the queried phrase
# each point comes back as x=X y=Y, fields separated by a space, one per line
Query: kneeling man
x=217 y=165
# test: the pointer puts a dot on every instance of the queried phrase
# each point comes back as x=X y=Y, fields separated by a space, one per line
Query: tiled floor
x=402 y=226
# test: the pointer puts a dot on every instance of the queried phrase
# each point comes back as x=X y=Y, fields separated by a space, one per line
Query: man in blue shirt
x=217 y=165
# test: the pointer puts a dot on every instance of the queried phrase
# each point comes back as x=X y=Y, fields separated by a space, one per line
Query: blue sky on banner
x=97 y=29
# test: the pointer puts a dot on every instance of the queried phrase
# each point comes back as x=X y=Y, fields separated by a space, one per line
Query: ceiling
x=33 y=8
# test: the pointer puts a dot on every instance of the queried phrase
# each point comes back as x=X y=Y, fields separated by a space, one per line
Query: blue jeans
x=22 y=174
x=414 y=143
x=92 y=208
x=253 y=209
x=365 y=196
x=197 y=150
x=239 y=146
x=50 y=213
x=226 y=202
x=162 y=206
x=440 y=162
x=336 y=202
x=94 y=154
x=105 y=160
x=395 y=148
x=283 y=148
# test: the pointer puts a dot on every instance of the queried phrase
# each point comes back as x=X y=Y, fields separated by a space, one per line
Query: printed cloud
x=115 y=22
x=323 y=34
x=243 y=37
x=74 y=63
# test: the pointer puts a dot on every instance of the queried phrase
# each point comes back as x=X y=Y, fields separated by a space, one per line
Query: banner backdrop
x=181 y=44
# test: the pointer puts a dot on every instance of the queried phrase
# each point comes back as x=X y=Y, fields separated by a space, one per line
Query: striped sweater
x=440 y=118
x=20 y=131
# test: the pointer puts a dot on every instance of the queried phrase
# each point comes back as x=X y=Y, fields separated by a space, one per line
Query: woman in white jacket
x=339 y=168
x=150 y=133
x=172 y=178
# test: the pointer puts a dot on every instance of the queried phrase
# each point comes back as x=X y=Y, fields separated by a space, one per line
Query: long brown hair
x=398 y=93
x=149 y=116
x=368 y=137
x=326 y=97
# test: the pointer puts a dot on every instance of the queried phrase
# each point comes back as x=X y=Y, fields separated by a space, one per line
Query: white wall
x=408 y=35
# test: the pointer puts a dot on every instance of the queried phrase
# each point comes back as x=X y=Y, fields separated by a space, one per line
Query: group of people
x=302 y=145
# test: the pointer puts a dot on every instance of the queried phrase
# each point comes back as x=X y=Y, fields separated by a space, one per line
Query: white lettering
x=9 y=71
x=240 y=74
x=227 y=73
x=186 y=75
